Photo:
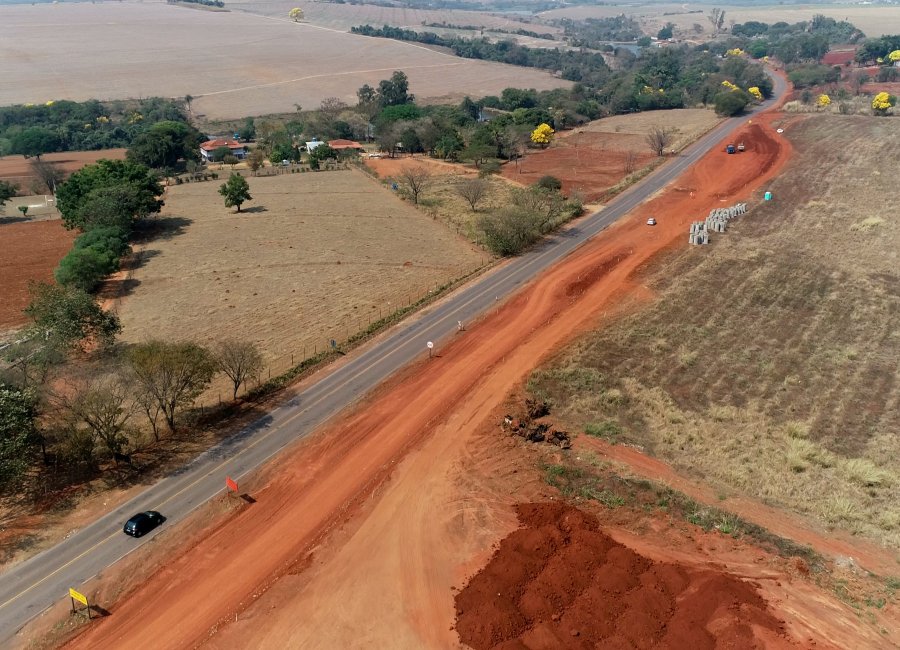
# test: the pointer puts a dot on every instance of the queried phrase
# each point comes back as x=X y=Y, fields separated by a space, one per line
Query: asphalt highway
x=29 y=588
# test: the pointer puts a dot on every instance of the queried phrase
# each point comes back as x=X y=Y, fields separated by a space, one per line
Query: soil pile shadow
x=560 y=582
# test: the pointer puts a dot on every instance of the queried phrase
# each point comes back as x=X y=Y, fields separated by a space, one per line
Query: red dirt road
x=29 y=251
x=387 y=586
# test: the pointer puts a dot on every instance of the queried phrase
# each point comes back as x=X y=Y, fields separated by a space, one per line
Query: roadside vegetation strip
x=592 y=479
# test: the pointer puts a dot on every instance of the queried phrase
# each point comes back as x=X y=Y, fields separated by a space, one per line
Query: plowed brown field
x=30 y=251
x=435 y=493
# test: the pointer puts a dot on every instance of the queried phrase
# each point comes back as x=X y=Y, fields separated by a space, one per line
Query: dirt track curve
x=433 y=406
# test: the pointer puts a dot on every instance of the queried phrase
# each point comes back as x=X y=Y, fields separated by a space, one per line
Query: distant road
x=32 y=586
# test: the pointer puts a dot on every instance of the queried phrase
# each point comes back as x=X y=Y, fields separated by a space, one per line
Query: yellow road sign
x=81 y=598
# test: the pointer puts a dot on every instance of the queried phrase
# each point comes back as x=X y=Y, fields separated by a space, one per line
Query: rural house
x=345 y=145
x=207 y=148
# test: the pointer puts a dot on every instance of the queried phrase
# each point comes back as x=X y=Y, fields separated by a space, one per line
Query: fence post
x=292 y=359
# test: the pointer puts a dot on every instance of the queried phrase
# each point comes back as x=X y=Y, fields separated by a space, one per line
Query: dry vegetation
x=874 y=20
x=769 y=364
x=690 y=123
x=313 y=257
x=268 y=65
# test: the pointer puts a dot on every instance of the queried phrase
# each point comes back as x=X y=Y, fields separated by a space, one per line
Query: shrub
x=550 y=183
x=84 y=268
x=731 y=102
x=511 y=230
x=813 y=75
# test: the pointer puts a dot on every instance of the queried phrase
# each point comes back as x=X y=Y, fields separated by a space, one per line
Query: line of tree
x=805 y=41
x=584 y=66
x=35 y=129
x=205 y=3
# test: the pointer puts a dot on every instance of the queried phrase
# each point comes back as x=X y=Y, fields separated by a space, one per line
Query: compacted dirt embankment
x=387 y=583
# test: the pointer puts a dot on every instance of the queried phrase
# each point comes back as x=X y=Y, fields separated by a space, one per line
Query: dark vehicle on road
x=143 y=522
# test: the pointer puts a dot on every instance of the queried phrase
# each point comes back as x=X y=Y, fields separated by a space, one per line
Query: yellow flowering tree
x=756 y=92
x=296 y=14
x=822 y=101
x=894 y=56
x=882 y=102
x=730 y=86
x=735 y=52
x=542 y=135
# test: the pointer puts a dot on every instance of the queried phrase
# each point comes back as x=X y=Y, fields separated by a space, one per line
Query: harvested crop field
x=769 y=365
x=17 y=169
x=268 y=65
x=30 y=251
x=313 y=257
x=595 y=157
x=344 y=16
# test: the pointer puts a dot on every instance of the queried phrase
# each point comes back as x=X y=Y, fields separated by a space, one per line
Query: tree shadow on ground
x=255 y=209
x=160 y=228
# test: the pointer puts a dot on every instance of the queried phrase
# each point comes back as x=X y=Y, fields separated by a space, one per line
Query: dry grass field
x=768 y=365
x=313 y=257
x=234 y=63
x=874 y=20
x=344 y=16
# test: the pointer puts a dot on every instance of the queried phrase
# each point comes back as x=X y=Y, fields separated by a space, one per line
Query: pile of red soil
x=560 y=582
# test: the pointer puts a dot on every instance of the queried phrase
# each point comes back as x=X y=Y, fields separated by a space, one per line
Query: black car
x=143 y=522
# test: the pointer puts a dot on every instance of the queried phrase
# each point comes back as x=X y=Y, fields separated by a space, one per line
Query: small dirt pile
x=560 y=582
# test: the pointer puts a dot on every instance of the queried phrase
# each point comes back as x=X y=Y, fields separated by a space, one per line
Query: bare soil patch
x=17 y=169
x=30 y=251
x=593 y=158
x=560 y=581
x=313 y=257
x=269 y=65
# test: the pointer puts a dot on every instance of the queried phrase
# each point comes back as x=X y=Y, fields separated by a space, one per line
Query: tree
x=172 y=375
x=240 y=361
x=18 y=433
x=219 y=153
x=48 y=174
x=114 y=206
x=236 y=191
x=71 y=195
x=66 y=317
x=629 y=162
x=35 y=141
x=103 y=407
x=511 y=229
x=296 y=14
x=188 y=99
x=473 y=190
x=542 y=135
x=231 y=161
x=321 y=153
x=756 y=93
x=823 y=101
x=717 y=18
x=415 y=179
x=731 y=103
x=164 y=144
x=394 y=91
x=666 y=32
x=882 y=102
x=660 y=138
x=255 y=160
x=7 y=191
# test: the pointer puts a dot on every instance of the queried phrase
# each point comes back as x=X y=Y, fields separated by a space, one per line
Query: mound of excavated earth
x=560 y=582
